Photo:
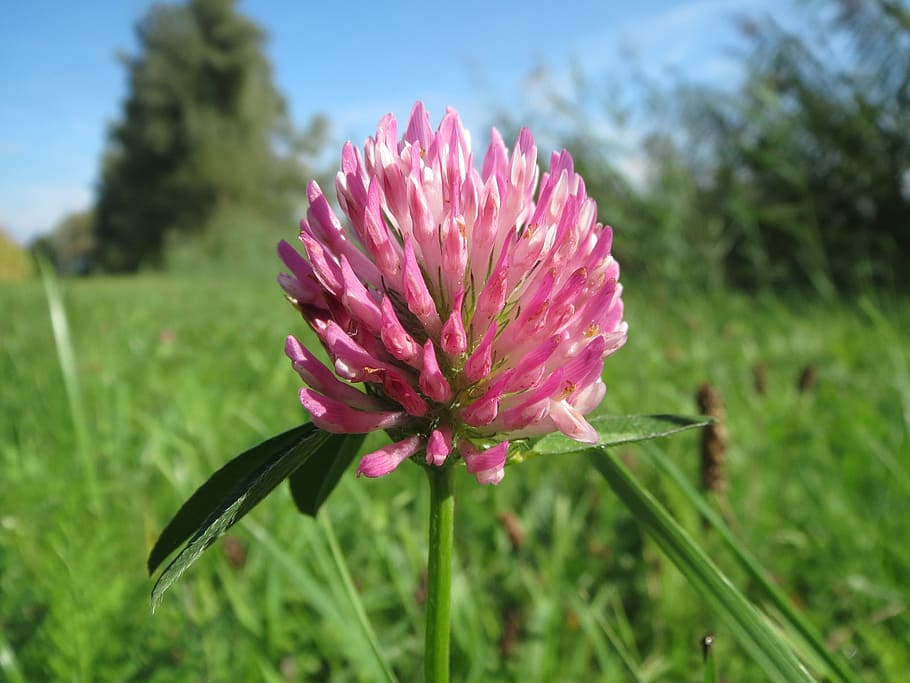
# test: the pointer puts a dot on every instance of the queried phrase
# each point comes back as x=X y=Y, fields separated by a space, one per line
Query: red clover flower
x=472 y=312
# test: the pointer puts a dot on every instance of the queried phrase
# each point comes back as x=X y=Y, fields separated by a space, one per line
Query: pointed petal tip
x=572 y=423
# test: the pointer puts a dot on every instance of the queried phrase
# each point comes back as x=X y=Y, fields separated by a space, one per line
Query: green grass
x=174 y=376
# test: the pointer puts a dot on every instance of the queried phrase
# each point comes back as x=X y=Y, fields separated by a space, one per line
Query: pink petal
x=453 y=339
x=350 y=159
x=572 y=423
x=496 y=160
x=531 y=406
x=487 y=466
x=531 y=367
x=493 y=296
x=395 y=196
x=432 y=382
x=419 y=130
x=454 y=251
x=470 y=198
x=395 y=338
x=485 y=409
x=587 y=399
x=320 y=378
x=381 y=462
x=387 y=131
x=422 y=223
x=357 y=299
x=525 y=415
x=439 y=445
x=378 y=241
x=524 y=161
x=398 y=389
x=298 y=265
x=572 y=287
x=329 y=230
x=301 y=292
x=490 y=477
x=326 y=270
x=534 y=309
x=586 y=366
x=352 y=361
x=416 y=293
x=481 y=361
x=487 y=223
x=338 y=418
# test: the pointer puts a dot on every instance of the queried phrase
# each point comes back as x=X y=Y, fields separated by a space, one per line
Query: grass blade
x=9 y=666
x=66 y=357
x=835 y=668
x=354 y=598
x=707 y=644
x=749 y=627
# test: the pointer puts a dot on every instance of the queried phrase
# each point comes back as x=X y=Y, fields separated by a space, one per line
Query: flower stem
x=439 y=574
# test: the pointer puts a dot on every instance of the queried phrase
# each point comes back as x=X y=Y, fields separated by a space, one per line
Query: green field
x=173 y=376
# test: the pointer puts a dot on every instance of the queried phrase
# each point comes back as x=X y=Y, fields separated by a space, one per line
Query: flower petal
x=399 y=389
x=416 y=294
x=485 y=409
x=432 y=382
x=378 y=240
x=386 y=459
x=572 y=423
x=439 y=445
x=487 y=466
x=320 y=378
x=339 y=418
x=453 y=339
x=395 y=338
x=481 y=361
x=357 y=299
x=352 y=361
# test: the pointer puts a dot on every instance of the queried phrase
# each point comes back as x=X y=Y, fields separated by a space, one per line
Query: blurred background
x=754 y=159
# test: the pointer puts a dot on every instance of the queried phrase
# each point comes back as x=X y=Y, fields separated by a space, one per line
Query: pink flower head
x=473 y=309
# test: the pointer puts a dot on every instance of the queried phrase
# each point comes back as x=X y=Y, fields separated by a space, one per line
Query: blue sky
x=60 y=83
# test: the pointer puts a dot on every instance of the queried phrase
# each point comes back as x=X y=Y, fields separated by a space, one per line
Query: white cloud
x=30 y=209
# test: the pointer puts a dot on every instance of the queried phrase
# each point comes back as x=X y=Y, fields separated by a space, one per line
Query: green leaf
x=315 y=479
x=744 y=622
x=202 y=503
x=227 y=496
x=613 y=430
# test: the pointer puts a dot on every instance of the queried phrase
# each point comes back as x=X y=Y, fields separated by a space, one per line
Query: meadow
x=103 y=434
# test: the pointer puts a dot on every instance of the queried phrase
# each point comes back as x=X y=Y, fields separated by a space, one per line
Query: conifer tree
x=203 y=127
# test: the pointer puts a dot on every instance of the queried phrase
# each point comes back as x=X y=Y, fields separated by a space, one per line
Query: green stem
x=439 y=573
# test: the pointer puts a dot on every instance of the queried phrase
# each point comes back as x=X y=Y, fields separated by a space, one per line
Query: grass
x=554 y=580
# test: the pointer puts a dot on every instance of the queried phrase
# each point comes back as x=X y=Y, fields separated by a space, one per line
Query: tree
x=797 y=178
x=70 y=245
x=203 y=126
x=808 y=165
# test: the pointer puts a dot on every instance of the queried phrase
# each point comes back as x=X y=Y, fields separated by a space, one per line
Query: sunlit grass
x=175 y=376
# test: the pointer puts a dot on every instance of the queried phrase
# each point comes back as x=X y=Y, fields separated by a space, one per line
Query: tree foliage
x=797 y=178
x=807 y=166
x=203 y=127
x=71 y=244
